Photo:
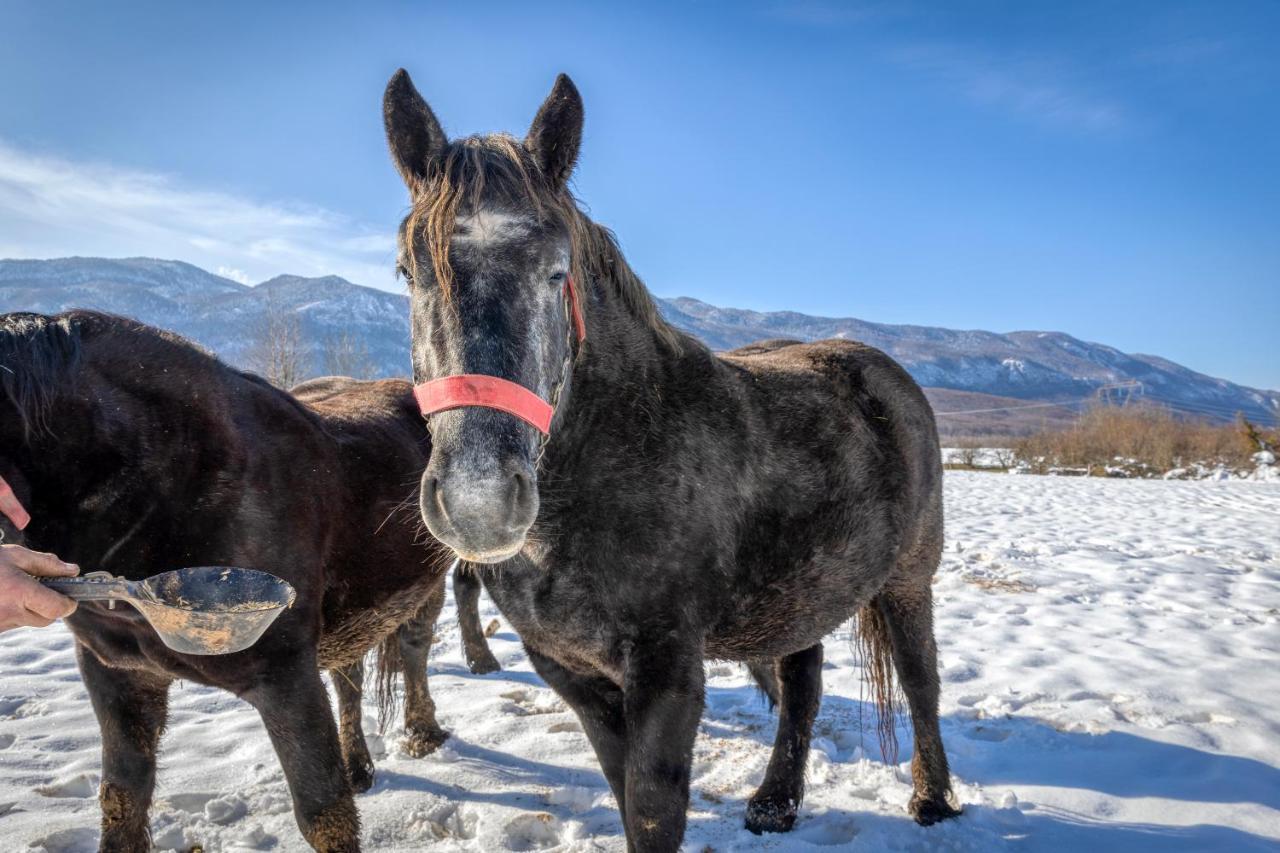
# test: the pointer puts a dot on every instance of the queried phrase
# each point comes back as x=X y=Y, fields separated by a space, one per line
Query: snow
x=1109 y=668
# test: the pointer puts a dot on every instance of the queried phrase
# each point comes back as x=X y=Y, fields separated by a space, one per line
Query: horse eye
x=404 y=274
x=558 y=278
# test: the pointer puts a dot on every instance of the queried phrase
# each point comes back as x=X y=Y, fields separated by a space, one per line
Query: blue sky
x=1109 y=170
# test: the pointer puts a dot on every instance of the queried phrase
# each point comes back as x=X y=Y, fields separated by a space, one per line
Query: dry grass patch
x=1142 y=441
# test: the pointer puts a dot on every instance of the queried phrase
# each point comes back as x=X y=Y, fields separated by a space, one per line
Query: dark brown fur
x=137 y=453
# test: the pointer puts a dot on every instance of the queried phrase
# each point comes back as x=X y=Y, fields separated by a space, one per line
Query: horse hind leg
x=466 y=593
x=797 y=683
x=423 y=734
x=348 y=683
x=905 y=607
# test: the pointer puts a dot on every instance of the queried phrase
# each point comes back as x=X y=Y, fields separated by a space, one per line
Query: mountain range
x=980 y=382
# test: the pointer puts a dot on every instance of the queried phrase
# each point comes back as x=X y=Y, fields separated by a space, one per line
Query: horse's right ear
x=413 y=133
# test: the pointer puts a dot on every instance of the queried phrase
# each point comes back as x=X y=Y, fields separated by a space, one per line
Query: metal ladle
x=206 y=610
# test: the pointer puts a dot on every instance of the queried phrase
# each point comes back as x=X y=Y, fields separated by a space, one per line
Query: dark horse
x=136 y=453
x=684 y=505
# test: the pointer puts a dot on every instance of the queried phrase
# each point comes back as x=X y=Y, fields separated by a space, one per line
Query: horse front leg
x=131 y=707
x=294 y=706
x=598 y=702
x=424 y=735
x=466 y=594
x=663 y=699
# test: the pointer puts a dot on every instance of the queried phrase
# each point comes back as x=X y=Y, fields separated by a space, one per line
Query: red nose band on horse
x=12 y=507
x=491 y=392
x=474 y=389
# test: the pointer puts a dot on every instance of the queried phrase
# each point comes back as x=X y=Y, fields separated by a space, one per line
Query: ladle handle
x=89 y=588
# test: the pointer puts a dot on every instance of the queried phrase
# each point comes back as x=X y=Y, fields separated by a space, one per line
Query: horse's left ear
x=556 y=132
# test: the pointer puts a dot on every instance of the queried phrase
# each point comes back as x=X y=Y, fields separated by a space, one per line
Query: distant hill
x=965 y=371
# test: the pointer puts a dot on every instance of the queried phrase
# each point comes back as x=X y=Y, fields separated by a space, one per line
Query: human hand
x=23 y=601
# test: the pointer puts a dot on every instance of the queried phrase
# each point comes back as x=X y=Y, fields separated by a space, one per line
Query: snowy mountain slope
x=1108 y=661
x=221 y=314
x=1025 y=365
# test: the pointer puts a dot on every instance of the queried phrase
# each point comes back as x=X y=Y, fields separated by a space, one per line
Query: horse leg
x=423 y=734
x=466 y=594
x=598 y=702
x=348 y=683
x=907 y=609
x=294 y=707
x=662 y=699
x=773 y=807
x=131 y=707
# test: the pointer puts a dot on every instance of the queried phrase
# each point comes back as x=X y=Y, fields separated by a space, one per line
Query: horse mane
x=497 y=168
x=39 y=356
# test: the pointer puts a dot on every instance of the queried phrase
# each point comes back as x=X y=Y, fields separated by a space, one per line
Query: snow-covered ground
x=1111 y=681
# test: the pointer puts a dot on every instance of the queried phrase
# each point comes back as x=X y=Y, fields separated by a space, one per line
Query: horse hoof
x=927 y=812
x=484 y=665
x=420 y=744
x=765 y=815
x=360 y=775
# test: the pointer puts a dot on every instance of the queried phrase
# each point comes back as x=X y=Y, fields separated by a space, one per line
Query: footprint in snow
x=16 y=707
x=528 y=702
x=826 y=831
x=81 y=786
x=79 y=840
x=191 y=803
x=536 y=831
x=565 y=726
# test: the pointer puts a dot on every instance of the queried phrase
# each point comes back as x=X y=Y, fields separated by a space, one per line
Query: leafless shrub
x=1143 y=439
x=277 y=350
x=348 y=355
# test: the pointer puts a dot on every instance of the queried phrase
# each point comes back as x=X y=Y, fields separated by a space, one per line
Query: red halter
x=492 y=392
x=12 y=507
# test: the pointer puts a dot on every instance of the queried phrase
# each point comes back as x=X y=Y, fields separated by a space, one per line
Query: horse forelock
x=479 y=175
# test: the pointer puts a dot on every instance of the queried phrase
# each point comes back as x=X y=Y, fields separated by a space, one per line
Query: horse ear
x=556 y=132
x=413 y=133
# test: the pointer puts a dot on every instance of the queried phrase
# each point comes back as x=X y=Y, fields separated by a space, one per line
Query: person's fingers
x=48 y=603
x=39 y=563
x=35 y=620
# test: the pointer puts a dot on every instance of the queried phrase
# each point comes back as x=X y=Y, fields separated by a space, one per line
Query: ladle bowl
x=205 y=610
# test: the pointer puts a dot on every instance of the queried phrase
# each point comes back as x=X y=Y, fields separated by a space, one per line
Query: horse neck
x=623 y=372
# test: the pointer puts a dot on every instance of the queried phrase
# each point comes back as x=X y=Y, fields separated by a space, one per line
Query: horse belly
x=794 y=611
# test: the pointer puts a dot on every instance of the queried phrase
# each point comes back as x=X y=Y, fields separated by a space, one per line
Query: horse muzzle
x=484 y=516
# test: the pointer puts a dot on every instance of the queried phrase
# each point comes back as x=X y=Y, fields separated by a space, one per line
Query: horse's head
x=489 y=253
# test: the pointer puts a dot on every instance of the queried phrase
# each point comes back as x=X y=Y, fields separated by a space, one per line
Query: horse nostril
x=523 y=489
x=435 y=495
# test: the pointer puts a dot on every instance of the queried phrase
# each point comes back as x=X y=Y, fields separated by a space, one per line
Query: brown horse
x=136 y=453
x=655 y=503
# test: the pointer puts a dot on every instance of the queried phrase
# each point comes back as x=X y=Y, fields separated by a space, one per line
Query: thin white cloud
x=234 y=274
x=1035 y=88
x=51 y=207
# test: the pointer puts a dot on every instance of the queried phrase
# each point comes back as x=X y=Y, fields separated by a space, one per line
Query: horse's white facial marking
x=490 y=226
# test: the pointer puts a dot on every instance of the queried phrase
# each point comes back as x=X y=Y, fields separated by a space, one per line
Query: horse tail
x=766 y=682
x=875 y=648
x=390 y=664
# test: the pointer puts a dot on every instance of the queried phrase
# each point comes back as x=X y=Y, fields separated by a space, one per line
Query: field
x=1109 y=655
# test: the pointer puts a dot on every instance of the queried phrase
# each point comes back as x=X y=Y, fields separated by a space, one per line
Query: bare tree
x=277 y=350
x=348 y=355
